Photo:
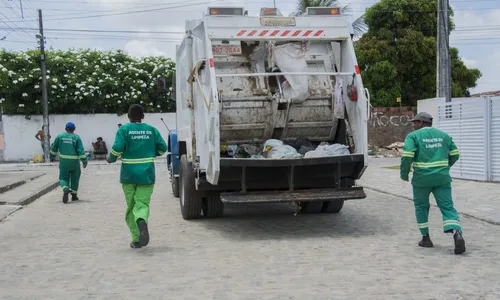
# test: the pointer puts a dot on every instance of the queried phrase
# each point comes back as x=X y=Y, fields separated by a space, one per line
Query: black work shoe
x=65 y=195
x=143 y=233
x=426 y=242
x=459 y=243
x=74 y=197
x=135 y=245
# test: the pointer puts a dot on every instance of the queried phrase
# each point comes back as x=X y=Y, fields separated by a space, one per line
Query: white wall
x=19 y=133
x=430 y=106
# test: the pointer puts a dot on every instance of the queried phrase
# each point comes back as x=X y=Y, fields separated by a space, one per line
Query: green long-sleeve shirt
x=432 y=153
x=138 y=144
x=70 y=148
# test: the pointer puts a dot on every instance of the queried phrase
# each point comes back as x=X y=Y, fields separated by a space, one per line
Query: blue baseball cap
x=70 y=125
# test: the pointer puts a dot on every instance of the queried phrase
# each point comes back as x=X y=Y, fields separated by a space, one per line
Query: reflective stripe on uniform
x=115 y=153
x=442 y=163
x=423 y=225
x=454 y=152
x=408 y=154
x=138 y=160
x=53 y=153
x=161 y=153
x=82 y=156
x=68 y=156
x=451 y=222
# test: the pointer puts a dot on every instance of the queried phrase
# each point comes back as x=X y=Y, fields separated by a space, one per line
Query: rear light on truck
x=323 y=11
x=225 y=11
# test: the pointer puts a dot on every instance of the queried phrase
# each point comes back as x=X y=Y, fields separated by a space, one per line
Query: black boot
x=426 y=242
x=65 y=195
x=143 y=232
x=135 y=245
x=459 y=242
x=74 y=197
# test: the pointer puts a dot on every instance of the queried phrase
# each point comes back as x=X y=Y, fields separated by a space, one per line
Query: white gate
x=467 y=122
x=495 y=139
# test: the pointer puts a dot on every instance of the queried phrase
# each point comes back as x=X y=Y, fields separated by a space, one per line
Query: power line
x=157 y=9
x=107 y=31
x=216 y=1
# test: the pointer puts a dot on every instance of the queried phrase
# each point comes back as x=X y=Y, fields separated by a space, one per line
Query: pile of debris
x=393 y=150
x=276 y=149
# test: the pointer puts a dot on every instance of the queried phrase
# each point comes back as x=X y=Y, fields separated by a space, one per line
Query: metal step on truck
x=250 y=79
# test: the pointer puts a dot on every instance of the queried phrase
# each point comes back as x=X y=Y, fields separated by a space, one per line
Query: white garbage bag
x=277 y=149
x=285 y=151
x=291 y=58
x=272 y=143
x=328 y=150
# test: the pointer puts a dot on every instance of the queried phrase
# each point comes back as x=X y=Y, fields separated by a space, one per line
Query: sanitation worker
x=138 y=144
x=71 y=152
x=432 y=153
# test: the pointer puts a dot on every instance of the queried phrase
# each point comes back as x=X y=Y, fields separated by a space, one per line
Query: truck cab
x=247 y=79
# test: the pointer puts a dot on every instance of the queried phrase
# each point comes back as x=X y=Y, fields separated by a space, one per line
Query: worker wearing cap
x=70 y=148
x=432 y=153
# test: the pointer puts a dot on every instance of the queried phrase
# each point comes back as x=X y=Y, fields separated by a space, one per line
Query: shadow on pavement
x=277 y=221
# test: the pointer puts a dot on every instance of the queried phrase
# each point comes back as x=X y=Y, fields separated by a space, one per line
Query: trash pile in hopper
x=276 y=149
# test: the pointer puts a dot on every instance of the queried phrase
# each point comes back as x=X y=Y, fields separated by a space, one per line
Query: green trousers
x=138 y=198
x=444 y=200
x=69 y=175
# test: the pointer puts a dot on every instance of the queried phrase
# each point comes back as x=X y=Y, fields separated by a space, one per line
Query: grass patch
x=392 y=167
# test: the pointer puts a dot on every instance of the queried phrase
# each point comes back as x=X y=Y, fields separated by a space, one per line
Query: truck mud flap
x=299 y=195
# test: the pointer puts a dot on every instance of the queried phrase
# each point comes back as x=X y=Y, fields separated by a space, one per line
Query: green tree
x=83 y=81
x=358 y=25
x=397 y=56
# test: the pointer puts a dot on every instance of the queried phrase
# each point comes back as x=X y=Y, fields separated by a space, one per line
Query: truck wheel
x=189 y=199
x=332 y=206
x=311 y=207
x=175 y=186
x=213 y=207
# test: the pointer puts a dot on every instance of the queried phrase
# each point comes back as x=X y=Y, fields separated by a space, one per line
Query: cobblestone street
x=368 y=251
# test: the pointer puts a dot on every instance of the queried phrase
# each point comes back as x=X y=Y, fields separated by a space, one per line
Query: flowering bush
x=82 y=82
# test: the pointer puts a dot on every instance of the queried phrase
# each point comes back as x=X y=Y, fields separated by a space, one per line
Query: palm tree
x=358 y=25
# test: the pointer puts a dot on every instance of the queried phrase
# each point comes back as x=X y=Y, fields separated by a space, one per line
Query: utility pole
x=274 y=3
x=45 y=100
x=21 y=6
x=443 y=83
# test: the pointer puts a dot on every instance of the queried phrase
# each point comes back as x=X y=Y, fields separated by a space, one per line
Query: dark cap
x=423 y=116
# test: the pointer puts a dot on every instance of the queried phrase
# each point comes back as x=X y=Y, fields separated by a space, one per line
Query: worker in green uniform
x=432 y=153
x=138 y=144
x=71 y=152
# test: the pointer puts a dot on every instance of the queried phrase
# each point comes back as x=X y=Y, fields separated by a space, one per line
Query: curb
x=19 y=207
x=31 y=198
x=433 y=205
x=19 y=183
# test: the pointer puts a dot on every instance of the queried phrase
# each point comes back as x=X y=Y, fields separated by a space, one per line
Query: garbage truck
x=250 y=80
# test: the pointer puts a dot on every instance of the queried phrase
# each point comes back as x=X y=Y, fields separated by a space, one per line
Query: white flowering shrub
x=82 y=82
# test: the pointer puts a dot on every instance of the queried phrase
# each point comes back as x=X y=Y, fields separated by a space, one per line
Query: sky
x=477 y=34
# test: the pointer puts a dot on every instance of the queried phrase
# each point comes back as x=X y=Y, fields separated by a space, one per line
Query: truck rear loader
x=247 y=79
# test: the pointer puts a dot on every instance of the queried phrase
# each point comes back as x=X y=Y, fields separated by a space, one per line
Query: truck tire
x=333 y=206
x=175 y=187
x=189 y=199
x=311 y=207
x=213 y=207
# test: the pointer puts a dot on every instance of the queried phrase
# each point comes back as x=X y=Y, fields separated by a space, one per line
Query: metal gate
x=467 y=122
x=495 y=139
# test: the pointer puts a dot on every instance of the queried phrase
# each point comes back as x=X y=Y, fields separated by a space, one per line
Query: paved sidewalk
x=79 y=250
x=475 y=199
